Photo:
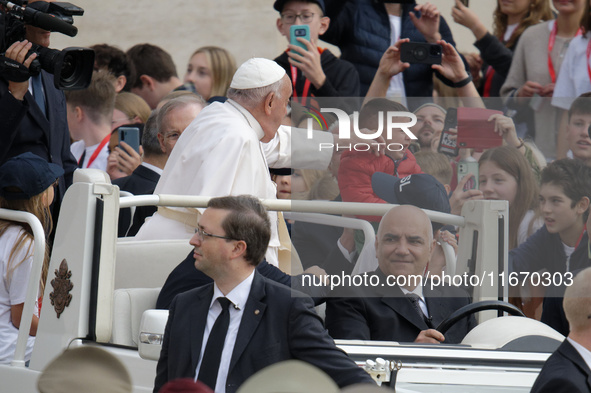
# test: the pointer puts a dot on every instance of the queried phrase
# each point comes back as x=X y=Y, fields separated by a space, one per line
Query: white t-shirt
x=573 y=78
x=396 y=88
x=100 y=162
x=568 y=251
x=13 y=292
x=509 y=31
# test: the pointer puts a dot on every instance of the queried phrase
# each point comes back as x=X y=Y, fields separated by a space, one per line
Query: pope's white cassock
x=220 y=154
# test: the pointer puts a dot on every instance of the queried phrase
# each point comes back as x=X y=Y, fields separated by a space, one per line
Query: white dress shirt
x=238 y=296
x=100 y=162
x=584 y=352
x=153 y=168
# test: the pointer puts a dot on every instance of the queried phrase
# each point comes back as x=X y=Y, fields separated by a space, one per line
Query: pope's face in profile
x=276 y=110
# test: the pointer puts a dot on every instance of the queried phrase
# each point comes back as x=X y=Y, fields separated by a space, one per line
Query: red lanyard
x=581 y=236
x=551 y=42
x=294 y=78
x=490 y=72
x=98 y=150
x=589 y=54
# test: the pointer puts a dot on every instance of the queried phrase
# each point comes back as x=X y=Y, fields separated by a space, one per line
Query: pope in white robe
x=220 y=153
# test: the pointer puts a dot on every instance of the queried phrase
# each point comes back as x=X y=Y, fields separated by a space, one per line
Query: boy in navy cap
x=315 y=72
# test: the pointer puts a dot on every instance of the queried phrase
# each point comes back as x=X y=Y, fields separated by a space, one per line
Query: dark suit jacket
x=552 y=311
x=185 y=277
x=564 y=371
x=275 y=326
x=384 y=313
x=141 y=182
x=316 y=245
x=23 y=128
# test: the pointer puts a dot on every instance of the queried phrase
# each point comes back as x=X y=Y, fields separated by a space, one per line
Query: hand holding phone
x=299 y=31
x=466 y=168
x=420 y=53
x=131 y=136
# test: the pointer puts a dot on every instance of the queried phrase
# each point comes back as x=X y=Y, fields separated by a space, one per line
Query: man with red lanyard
x=90 y=113
x=315 y=72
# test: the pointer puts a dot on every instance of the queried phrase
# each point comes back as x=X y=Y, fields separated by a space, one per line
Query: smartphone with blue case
x=299 y=31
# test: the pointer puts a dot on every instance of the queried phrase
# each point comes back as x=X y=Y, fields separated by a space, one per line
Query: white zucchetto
x=257 y=72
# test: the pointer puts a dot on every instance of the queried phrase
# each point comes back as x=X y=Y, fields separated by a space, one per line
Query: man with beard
x=430 y=121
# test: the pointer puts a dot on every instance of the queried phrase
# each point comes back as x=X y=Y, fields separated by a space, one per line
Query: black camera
x=420 y=52
x=72 y=67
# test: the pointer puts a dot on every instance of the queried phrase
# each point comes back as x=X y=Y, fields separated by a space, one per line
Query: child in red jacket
x=357 y=167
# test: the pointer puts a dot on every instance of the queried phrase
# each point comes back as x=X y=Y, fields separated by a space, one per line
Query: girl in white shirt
x=26 y=184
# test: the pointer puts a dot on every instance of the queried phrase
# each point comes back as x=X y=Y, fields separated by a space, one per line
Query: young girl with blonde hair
x=26 y=184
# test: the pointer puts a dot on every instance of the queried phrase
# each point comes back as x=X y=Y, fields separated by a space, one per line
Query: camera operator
x=33 y=114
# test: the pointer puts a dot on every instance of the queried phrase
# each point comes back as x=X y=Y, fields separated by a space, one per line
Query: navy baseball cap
x=421 y=190
x=28 y=173
x=279 y=4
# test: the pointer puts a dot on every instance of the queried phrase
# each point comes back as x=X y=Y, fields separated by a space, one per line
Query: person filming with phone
x=313 y=71
x=364 y=29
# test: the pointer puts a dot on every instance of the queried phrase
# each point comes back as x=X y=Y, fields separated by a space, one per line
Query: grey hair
x=178 y=103
x=253 y=97
x=150 y=136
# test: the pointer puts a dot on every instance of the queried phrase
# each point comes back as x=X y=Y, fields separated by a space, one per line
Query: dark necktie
x=38 y=93
x=415 y=300
x=81 y=160
x=208 y=373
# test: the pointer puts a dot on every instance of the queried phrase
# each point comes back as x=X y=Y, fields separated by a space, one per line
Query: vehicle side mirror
x=152 y=328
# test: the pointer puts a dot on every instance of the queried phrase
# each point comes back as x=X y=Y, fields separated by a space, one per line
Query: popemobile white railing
x=483 y=226
x=318 y=212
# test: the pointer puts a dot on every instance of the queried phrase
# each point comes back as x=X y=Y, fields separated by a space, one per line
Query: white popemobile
x=101 y=291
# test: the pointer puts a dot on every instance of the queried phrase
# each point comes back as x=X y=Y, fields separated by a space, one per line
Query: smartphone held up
x=468 y=167
x=420 y=53
x=131 y=136
x=299 y=31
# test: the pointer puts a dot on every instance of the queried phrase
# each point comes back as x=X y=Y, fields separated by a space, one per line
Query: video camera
x=72 y=67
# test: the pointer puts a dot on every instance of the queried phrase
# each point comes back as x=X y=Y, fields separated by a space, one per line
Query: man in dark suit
x=143 y=179
x=33 y=118
x=398 y=305
x=223 y=345
x=568 y=369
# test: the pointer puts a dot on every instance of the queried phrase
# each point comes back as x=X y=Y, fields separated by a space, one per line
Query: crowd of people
x=521 y=116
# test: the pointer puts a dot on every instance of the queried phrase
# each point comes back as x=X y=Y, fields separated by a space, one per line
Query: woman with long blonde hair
x=26 y=184
x=210 y=70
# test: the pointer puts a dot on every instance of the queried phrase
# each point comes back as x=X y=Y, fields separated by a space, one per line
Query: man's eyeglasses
x=202 y=234
x=290 y=19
